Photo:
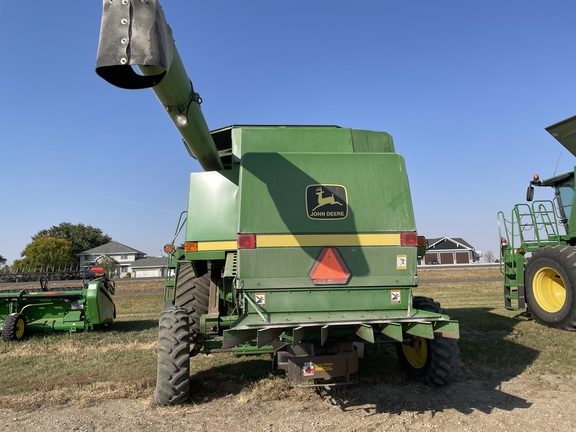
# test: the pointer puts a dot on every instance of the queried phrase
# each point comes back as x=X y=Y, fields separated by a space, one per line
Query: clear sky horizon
x=465 y=89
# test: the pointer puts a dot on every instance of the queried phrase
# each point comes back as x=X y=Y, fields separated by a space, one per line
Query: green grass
x=495 y=339
x=84 y=368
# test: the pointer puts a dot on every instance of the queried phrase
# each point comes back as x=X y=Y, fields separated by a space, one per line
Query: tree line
x=59 y=245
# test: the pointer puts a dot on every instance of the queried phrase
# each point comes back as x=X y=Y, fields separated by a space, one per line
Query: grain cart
x=300 y=241
x=537 y=254
x=46 y=309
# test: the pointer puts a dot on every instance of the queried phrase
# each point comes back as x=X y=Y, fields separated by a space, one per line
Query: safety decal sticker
x=326 y=201
x=401 y=262
x=395 y=297
x=260 y=299
x=308 y=369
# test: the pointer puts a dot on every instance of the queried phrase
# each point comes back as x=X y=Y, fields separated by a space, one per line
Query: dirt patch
x=474 y=402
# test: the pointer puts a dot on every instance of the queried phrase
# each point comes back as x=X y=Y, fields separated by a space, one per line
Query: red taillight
x=246 y=241
x=408 y=239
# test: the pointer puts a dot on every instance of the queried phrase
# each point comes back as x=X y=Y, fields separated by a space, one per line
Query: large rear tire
x=173 y=374
x=14 y=328
x=550 y=279
x=435 y=361
x=192 y=294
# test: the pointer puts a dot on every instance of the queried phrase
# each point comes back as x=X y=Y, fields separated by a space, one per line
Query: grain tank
x=300 y=241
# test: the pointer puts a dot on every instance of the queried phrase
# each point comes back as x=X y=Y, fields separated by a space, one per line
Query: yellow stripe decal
x=307 y=240
x=302 y=240
x=216 y=246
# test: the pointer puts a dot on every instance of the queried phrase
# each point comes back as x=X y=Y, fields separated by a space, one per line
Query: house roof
x=111 y=248
x=449 y=243
x=150 y=262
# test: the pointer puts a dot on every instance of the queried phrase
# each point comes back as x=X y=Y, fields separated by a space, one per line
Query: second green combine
x=538 y=246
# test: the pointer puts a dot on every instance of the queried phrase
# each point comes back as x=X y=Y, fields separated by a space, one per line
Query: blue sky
x=465 y=88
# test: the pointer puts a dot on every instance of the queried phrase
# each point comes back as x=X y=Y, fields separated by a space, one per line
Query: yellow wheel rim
x=416 y=352
x=20 y=326
x=549 y=289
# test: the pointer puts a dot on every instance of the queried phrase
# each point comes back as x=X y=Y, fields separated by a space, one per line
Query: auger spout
x=135 y=33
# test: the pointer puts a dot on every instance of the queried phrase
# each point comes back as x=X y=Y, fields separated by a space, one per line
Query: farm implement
x=25 y=310
x=300 y=241
x=538 y=246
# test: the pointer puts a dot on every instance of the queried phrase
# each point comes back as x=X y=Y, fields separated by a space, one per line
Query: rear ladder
x=529 y=228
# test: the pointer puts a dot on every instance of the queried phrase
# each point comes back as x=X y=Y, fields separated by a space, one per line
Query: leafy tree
x=108 y=265
x=81 y=237
x=2 y=261
x=47 y=251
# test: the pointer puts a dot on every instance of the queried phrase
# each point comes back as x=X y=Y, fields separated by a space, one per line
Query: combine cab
x=300 y=241
x=538 y=239
x=28 y=310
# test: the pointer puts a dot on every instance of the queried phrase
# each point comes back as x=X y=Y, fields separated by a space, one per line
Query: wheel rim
x=19 y=328
x=549 y=289
x=416 y=352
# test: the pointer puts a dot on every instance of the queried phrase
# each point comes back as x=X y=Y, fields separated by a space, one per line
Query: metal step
x=515 y=297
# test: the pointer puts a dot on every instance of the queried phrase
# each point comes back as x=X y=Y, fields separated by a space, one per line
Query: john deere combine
x=299 y=240
x=537 y=254
x=26 y=310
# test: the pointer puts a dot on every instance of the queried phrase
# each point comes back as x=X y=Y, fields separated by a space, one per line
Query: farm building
x=446 y=250
x=129 y=261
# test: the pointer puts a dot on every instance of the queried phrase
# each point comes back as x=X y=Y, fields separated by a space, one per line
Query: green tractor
x=300 y=241
x=537 y=251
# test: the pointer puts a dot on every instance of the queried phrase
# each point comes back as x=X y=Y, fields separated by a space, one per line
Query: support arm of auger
x=135 y=33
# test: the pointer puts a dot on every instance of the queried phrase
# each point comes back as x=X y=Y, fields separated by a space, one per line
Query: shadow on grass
x=489 y=355
x=466 y=395
x=219 y=381
x=132 y=326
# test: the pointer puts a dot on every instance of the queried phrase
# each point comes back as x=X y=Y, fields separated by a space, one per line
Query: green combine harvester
x=25 y=310
x=537 y=253
x=300 y=241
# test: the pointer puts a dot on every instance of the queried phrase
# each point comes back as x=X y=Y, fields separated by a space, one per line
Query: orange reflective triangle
x=329 y=268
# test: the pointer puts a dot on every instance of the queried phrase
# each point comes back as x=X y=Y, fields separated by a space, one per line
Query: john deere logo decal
x=326 y=201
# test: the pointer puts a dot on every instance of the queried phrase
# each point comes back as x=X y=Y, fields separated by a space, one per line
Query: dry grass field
x=515 y=375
